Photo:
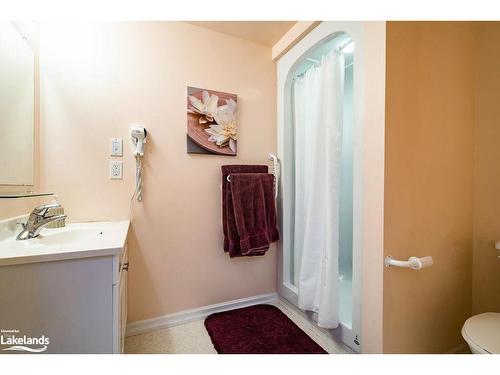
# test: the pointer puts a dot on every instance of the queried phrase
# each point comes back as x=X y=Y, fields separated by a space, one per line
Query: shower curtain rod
x=340 y=48
x=315 y=61
x=305 y=71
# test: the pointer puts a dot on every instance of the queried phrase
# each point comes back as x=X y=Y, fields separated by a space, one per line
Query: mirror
x=17 y=104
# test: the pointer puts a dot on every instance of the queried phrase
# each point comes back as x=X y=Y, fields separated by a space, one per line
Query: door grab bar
x=413 y=262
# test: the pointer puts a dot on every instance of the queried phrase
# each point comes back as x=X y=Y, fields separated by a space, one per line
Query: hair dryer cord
x=138 y=178
x=138 y=181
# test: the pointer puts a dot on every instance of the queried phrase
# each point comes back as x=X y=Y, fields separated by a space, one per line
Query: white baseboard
x=181 y=317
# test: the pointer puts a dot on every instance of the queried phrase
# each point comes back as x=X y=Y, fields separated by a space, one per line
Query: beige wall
x=486 y=271
x=98 y=80
x=428 y=183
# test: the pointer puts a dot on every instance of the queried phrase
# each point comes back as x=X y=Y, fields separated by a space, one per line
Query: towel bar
x=275 y=173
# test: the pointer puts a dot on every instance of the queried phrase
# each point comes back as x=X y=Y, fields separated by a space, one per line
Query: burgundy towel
x=228 y=222
x=254 y=211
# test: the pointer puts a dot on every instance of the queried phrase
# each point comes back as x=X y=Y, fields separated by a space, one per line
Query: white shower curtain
x=318 y=99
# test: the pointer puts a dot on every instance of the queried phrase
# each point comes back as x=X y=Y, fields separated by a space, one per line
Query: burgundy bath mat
x=260 y=329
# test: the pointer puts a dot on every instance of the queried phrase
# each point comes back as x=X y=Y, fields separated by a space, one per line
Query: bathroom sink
x=72 y=235
x=75 y=240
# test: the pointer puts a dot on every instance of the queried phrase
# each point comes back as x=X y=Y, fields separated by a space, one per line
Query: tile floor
x=192 y=338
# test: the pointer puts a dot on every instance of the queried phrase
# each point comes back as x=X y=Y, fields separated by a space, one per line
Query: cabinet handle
x=125 y=266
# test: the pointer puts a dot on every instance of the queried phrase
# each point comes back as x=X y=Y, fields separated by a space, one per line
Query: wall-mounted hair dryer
x=138 y=135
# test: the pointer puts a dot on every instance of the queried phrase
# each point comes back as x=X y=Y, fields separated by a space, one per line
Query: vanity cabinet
x=79 y=304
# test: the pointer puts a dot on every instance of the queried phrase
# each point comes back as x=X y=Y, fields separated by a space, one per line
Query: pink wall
x=99 y=79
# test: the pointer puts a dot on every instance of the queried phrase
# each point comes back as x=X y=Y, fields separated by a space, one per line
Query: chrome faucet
x=37 y=220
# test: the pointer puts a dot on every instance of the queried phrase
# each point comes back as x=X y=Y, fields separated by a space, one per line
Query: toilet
x=482 y=333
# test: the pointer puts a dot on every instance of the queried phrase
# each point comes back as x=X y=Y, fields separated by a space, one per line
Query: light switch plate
x=116 y=147
x=115 y=170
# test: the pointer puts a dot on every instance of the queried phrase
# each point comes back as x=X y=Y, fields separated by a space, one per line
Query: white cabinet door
x=123 y=300
x=68 y=301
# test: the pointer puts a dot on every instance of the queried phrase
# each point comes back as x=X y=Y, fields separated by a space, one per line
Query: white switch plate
x=115 y=169
x=116 y=147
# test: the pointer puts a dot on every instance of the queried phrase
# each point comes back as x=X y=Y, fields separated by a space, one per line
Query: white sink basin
x=73 y=235
x=75 y=240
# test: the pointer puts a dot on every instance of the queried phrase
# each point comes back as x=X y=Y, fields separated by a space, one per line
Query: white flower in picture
x=206 y=107
x=211 y=122
x=225 y=130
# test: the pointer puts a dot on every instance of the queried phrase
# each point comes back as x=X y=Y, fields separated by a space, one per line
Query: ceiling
x=266 y=33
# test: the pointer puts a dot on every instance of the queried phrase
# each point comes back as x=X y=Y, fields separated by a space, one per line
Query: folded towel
x=228 y=222
x=249 y=211
x=254 y=211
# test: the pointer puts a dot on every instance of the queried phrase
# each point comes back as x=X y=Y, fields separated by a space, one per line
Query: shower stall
x=320 y=134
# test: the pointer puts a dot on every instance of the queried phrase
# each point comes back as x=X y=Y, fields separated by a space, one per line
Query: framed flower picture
x=211 y=122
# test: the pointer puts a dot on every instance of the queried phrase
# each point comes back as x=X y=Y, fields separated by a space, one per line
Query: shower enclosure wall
x=303 y=57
